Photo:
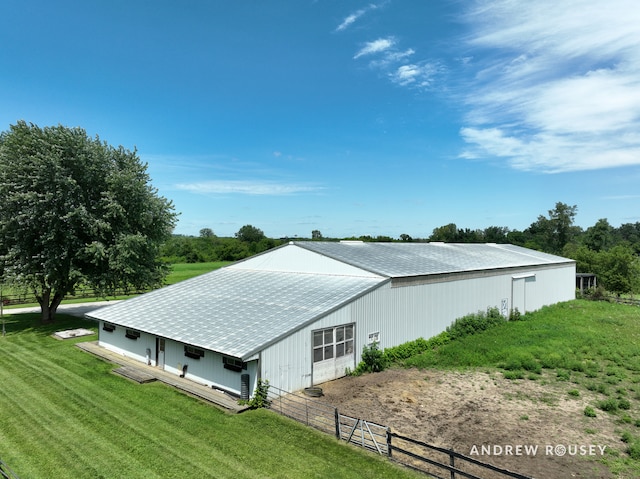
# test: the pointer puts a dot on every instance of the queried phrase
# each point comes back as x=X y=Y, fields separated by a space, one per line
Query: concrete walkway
x=140 y=372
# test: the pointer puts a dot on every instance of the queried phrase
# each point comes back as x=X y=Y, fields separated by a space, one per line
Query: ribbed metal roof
x=238 y=311
x=417 y=259
x=233 y=311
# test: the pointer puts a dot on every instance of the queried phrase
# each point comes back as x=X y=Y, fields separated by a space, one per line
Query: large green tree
x=74 y=210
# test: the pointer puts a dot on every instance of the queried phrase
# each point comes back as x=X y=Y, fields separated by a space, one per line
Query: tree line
x=76 y=212
x=611 y=253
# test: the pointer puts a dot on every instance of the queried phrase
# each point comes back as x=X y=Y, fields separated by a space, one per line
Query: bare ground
x=461 y=410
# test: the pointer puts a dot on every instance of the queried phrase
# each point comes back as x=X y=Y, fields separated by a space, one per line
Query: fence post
x=337 y=416
x=452 y=463
x=389 y=442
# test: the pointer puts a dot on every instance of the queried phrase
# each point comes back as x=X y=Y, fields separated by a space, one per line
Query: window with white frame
x=332 y=343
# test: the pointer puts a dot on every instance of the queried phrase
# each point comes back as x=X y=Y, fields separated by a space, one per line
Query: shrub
x=260 y=396
x=513 y=374
x=414 y=348
x=475 y=323
x=624 y=404
x=574 y=393
x=515 y=315
x=373 y=360
x=589 y=411
x=634 y=450
x=609 y=405
x=626 y=437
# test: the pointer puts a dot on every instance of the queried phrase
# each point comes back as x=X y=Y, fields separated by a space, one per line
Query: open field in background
x=182 y=271
x=62 y=414
x=179 y=272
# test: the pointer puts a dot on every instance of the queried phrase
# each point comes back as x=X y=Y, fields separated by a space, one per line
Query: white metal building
x=299 y=315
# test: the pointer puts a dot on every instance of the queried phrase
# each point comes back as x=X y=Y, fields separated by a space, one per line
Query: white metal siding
x=208 y=370
x=404 y=313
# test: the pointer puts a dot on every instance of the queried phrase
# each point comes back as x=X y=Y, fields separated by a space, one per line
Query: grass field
x=178 y=272
x=181 y=271
x=64 y=415
x=586 y=345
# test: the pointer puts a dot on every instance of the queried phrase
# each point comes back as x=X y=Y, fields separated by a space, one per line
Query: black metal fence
x=13 y=299
x=435 y=460
x=6 y=472
x=412 y=453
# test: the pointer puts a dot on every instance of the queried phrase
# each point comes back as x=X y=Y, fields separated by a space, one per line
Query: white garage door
x=332 y=353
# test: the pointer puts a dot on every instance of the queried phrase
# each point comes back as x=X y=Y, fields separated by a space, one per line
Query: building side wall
x=208 y=370
x=397 y=314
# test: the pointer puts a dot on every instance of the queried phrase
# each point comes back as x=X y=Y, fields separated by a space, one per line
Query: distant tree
x=406 y=237
x=552 y=234
x=495 y=234
x=619 y=270
x=74 y=210
x=250 y=234
x=561 y=219
x=629 y=232
x=316 y=235
x=599 y=237
x=207 y=233
x=447 y=233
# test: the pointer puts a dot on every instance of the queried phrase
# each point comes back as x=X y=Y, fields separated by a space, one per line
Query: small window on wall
x=194 y=353
x=374 y=337
x=132 y=334
x=108 y=327
x=233 y=364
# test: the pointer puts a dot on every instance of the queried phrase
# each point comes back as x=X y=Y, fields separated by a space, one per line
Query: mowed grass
x=584 y=346
x=178 y=272
x=64 y=415
x=181 y=271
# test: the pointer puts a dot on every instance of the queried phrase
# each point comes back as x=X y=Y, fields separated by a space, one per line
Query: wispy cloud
x=254 y=188
x=415 y=75
x=395 y=64
x=562 y=90
x=377 y=46
x=353 y=17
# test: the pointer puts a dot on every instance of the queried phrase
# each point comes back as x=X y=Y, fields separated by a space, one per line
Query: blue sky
x=352 y=118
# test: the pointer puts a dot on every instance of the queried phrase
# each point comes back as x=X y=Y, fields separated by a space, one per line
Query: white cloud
x=561 y=91
x=377 y=46
x=352 y=18
x=254 y=188
x=415 y=75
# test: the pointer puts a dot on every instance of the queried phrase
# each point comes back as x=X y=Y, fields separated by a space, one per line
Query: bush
x=414 y=348
x=475 y=323
x=513 y=374
x=634 y=450
x=609 y=405
x=515 y=315
x=589 y=411
x=260 y=396
x=624 y=404
x=373 y=360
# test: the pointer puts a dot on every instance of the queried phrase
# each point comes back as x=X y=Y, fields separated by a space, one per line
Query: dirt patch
x=463 y=410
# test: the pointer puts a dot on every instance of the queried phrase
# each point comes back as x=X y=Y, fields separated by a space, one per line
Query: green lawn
x=178 y=272
x=181 y=271
x=63 y=414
